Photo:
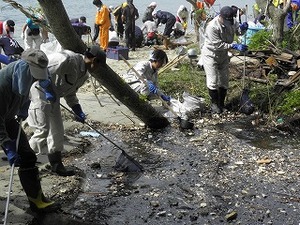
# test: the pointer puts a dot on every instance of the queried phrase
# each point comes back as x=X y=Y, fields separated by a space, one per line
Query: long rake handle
x=93 y=128
x=90 y=126
x=12 y=176
x=245 y=37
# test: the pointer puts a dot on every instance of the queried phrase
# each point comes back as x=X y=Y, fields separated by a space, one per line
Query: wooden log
x=263 y=81
x=292 y=79
x=286 y=56
x=124 y=93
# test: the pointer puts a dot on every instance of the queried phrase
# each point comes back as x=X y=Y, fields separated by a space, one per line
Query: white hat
x=153 y=4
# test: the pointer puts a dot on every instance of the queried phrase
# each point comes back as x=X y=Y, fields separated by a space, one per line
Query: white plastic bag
x=192 y=103
x=177 y=107
x=51 y=47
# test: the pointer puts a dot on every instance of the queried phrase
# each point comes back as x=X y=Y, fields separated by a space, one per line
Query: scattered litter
x=89 y=134
x=264 y=161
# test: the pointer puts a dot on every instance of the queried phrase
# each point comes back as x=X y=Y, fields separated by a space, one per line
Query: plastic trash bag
x=246 y=105
x=192 y=103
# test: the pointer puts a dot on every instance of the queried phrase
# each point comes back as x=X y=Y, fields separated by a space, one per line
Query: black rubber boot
x=222 y=96
x=57 y=165
x=214 y=96
x=31 y=184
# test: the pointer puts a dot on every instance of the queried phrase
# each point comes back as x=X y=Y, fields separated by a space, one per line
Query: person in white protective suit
x=182 y=18
x=31 y=34
x=68 y=71
x=219 y=36
x=146 y=82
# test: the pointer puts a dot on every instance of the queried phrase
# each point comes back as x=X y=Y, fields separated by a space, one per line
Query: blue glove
x=80 y=116
x=240 y=47
x=49 y=93
x=9 y=148
x=166 y=98
x=244 y=26
x=152 y=88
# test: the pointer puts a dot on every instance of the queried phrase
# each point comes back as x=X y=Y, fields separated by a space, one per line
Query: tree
x=67 y=37
x=197 y=20
x=277 y=16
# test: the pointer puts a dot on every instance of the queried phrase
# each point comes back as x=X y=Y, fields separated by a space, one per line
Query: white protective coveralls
x=214 y=53
x=32 y=35
x=68 y=73
x=182 y=16
x=148 y=73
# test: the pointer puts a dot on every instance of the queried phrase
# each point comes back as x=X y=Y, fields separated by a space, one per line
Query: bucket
x=250 y=32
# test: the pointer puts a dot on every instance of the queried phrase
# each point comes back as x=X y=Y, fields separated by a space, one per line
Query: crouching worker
x=145 y=82
x=68 y=71
x=15 y=82
x=12 y=49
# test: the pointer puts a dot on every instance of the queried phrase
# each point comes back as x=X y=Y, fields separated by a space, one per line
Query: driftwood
x=173 y=62
x=280 y=62
x=288 y=82
x=263 y=81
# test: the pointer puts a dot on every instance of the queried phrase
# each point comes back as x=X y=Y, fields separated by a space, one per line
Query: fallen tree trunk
x=67 y=37
x=123 y=92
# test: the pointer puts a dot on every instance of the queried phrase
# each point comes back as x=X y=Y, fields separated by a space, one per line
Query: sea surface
x=77 y=8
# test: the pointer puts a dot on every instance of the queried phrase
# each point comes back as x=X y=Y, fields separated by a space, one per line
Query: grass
x=266 y=98
x=186 y=78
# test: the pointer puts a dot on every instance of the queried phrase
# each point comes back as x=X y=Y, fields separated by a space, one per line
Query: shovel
x=184 y=124
x=125 y=162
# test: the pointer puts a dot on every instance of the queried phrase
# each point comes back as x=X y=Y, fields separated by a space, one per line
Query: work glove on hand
x=80 y=115
x=9 y=148
x=152 y=88
x=244 y=27
x=47 y=87
x=240 y=47
x=166 y=98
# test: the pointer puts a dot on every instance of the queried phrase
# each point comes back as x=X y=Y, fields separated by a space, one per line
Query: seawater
x=77 y=8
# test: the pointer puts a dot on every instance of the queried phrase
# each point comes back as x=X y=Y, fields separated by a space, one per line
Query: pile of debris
x=259 y=64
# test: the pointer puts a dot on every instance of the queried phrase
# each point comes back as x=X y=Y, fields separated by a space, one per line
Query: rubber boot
x=222 y=96
x=30 y=181
x=214 y=96
x=57 y=165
